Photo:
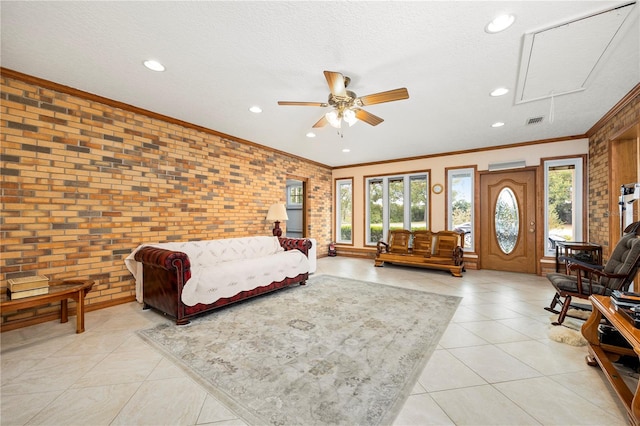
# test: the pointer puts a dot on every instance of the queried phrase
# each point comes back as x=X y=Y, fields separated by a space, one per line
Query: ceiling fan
x=346 y=104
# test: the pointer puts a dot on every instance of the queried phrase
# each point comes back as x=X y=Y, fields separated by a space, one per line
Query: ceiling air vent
x=535 y=120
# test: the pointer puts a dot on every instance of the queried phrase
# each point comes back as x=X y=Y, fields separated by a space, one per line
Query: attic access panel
x=559 y=60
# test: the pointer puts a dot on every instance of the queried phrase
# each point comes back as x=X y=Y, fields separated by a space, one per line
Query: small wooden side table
x=59 y=290
x=570 y=248
x=602 y=354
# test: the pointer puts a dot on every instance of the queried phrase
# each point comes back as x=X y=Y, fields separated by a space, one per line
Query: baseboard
x=356 y=252
x=14 y=325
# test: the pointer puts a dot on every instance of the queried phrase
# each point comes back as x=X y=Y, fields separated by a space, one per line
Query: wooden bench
x=435 y=250
x=59 y=290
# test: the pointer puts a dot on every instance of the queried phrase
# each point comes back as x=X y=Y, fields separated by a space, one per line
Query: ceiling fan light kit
x=346 y=104
x=336 y=116
x=349 y=116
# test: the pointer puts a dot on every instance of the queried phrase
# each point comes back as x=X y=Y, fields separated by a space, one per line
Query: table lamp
x=277 y=213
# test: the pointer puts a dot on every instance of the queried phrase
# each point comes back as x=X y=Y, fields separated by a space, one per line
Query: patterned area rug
x=336 y=351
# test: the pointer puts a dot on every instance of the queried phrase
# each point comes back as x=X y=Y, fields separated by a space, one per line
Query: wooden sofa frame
x=435 y=250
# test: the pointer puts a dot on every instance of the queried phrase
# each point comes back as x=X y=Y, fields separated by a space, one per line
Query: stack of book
x=19 y=288
x=625 y=299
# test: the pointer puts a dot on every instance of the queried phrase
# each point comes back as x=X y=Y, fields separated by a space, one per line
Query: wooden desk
x=59 y=290
x=604 y=354
x=570 y=248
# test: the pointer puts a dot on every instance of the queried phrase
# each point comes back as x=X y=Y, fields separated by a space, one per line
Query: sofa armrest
x=382 y=247
x=166 y=259
x=458 y=256
x=594 y=274
x=302 y=244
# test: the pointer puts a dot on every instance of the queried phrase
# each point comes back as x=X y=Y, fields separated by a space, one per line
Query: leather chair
x=582 y=280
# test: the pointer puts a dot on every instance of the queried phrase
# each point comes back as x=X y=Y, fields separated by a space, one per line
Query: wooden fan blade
x=293 y=103
x=336 y=83
x=388 y=96
x=367 y=117
x=321 y=123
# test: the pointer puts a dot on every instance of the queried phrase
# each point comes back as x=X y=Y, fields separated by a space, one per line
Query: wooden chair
x=582 y=280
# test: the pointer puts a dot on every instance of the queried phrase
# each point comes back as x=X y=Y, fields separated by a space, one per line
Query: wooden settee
x=436 y=250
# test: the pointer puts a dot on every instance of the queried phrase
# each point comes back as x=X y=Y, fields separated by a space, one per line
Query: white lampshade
x=277 y=212
x=336 y=116
x=333 y=118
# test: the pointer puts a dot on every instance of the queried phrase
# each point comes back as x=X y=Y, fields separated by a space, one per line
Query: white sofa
x=183 y=279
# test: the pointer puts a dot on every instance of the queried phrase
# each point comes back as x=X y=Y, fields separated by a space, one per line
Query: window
x=344 y=210
x=395 y=202
x=295 y=195
x=460 y=183
x=563 y=210
x=419 y=191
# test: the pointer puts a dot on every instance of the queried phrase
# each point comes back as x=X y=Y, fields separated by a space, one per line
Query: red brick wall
x=600 y=209
x=84 y=183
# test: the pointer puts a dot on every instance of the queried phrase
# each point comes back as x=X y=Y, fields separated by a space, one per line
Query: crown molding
x=633 y=93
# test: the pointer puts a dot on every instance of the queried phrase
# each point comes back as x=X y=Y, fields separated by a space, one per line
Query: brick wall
x=599 y=156
x=85 y=182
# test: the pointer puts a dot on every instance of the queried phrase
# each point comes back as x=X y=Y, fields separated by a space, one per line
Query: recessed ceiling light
x=500 y=91
x=500 y=23
x=154 y=65
x=311 y=135
x=255 y=109
x=497 y=124
x=346 y=150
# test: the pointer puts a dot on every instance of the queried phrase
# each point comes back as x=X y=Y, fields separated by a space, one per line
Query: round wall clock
x=436 y=188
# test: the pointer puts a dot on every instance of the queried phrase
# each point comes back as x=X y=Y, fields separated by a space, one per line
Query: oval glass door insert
x=507 y=220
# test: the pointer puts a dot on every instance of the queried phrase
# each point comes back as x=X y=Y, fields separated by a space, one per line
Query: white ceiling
x=223 y=57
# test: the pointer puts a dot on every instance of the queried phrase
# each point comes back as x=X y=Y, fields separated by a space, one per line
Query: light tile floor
x=494 y=365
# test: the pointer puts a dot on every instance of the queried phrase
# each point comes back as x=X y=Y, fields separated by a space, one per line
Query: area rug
x=569 y=332
x=337 y=351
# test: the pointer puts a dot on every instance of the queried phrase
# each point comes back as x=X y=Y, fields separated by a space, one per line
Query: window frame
x=451 y=172
x=338 y=208
x=579 y=203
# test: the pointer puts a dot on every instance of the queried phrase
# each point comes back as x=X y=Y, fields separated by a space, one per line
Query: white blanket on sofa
x=223 y=268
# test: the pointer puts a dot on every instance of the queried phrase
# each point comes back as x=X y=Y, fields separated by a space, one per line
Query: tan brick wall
x=600 y=209
x=84 y=183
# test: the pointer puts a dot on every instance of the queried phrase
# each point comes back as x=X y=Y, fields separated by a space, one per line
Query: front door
x=508 y=221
